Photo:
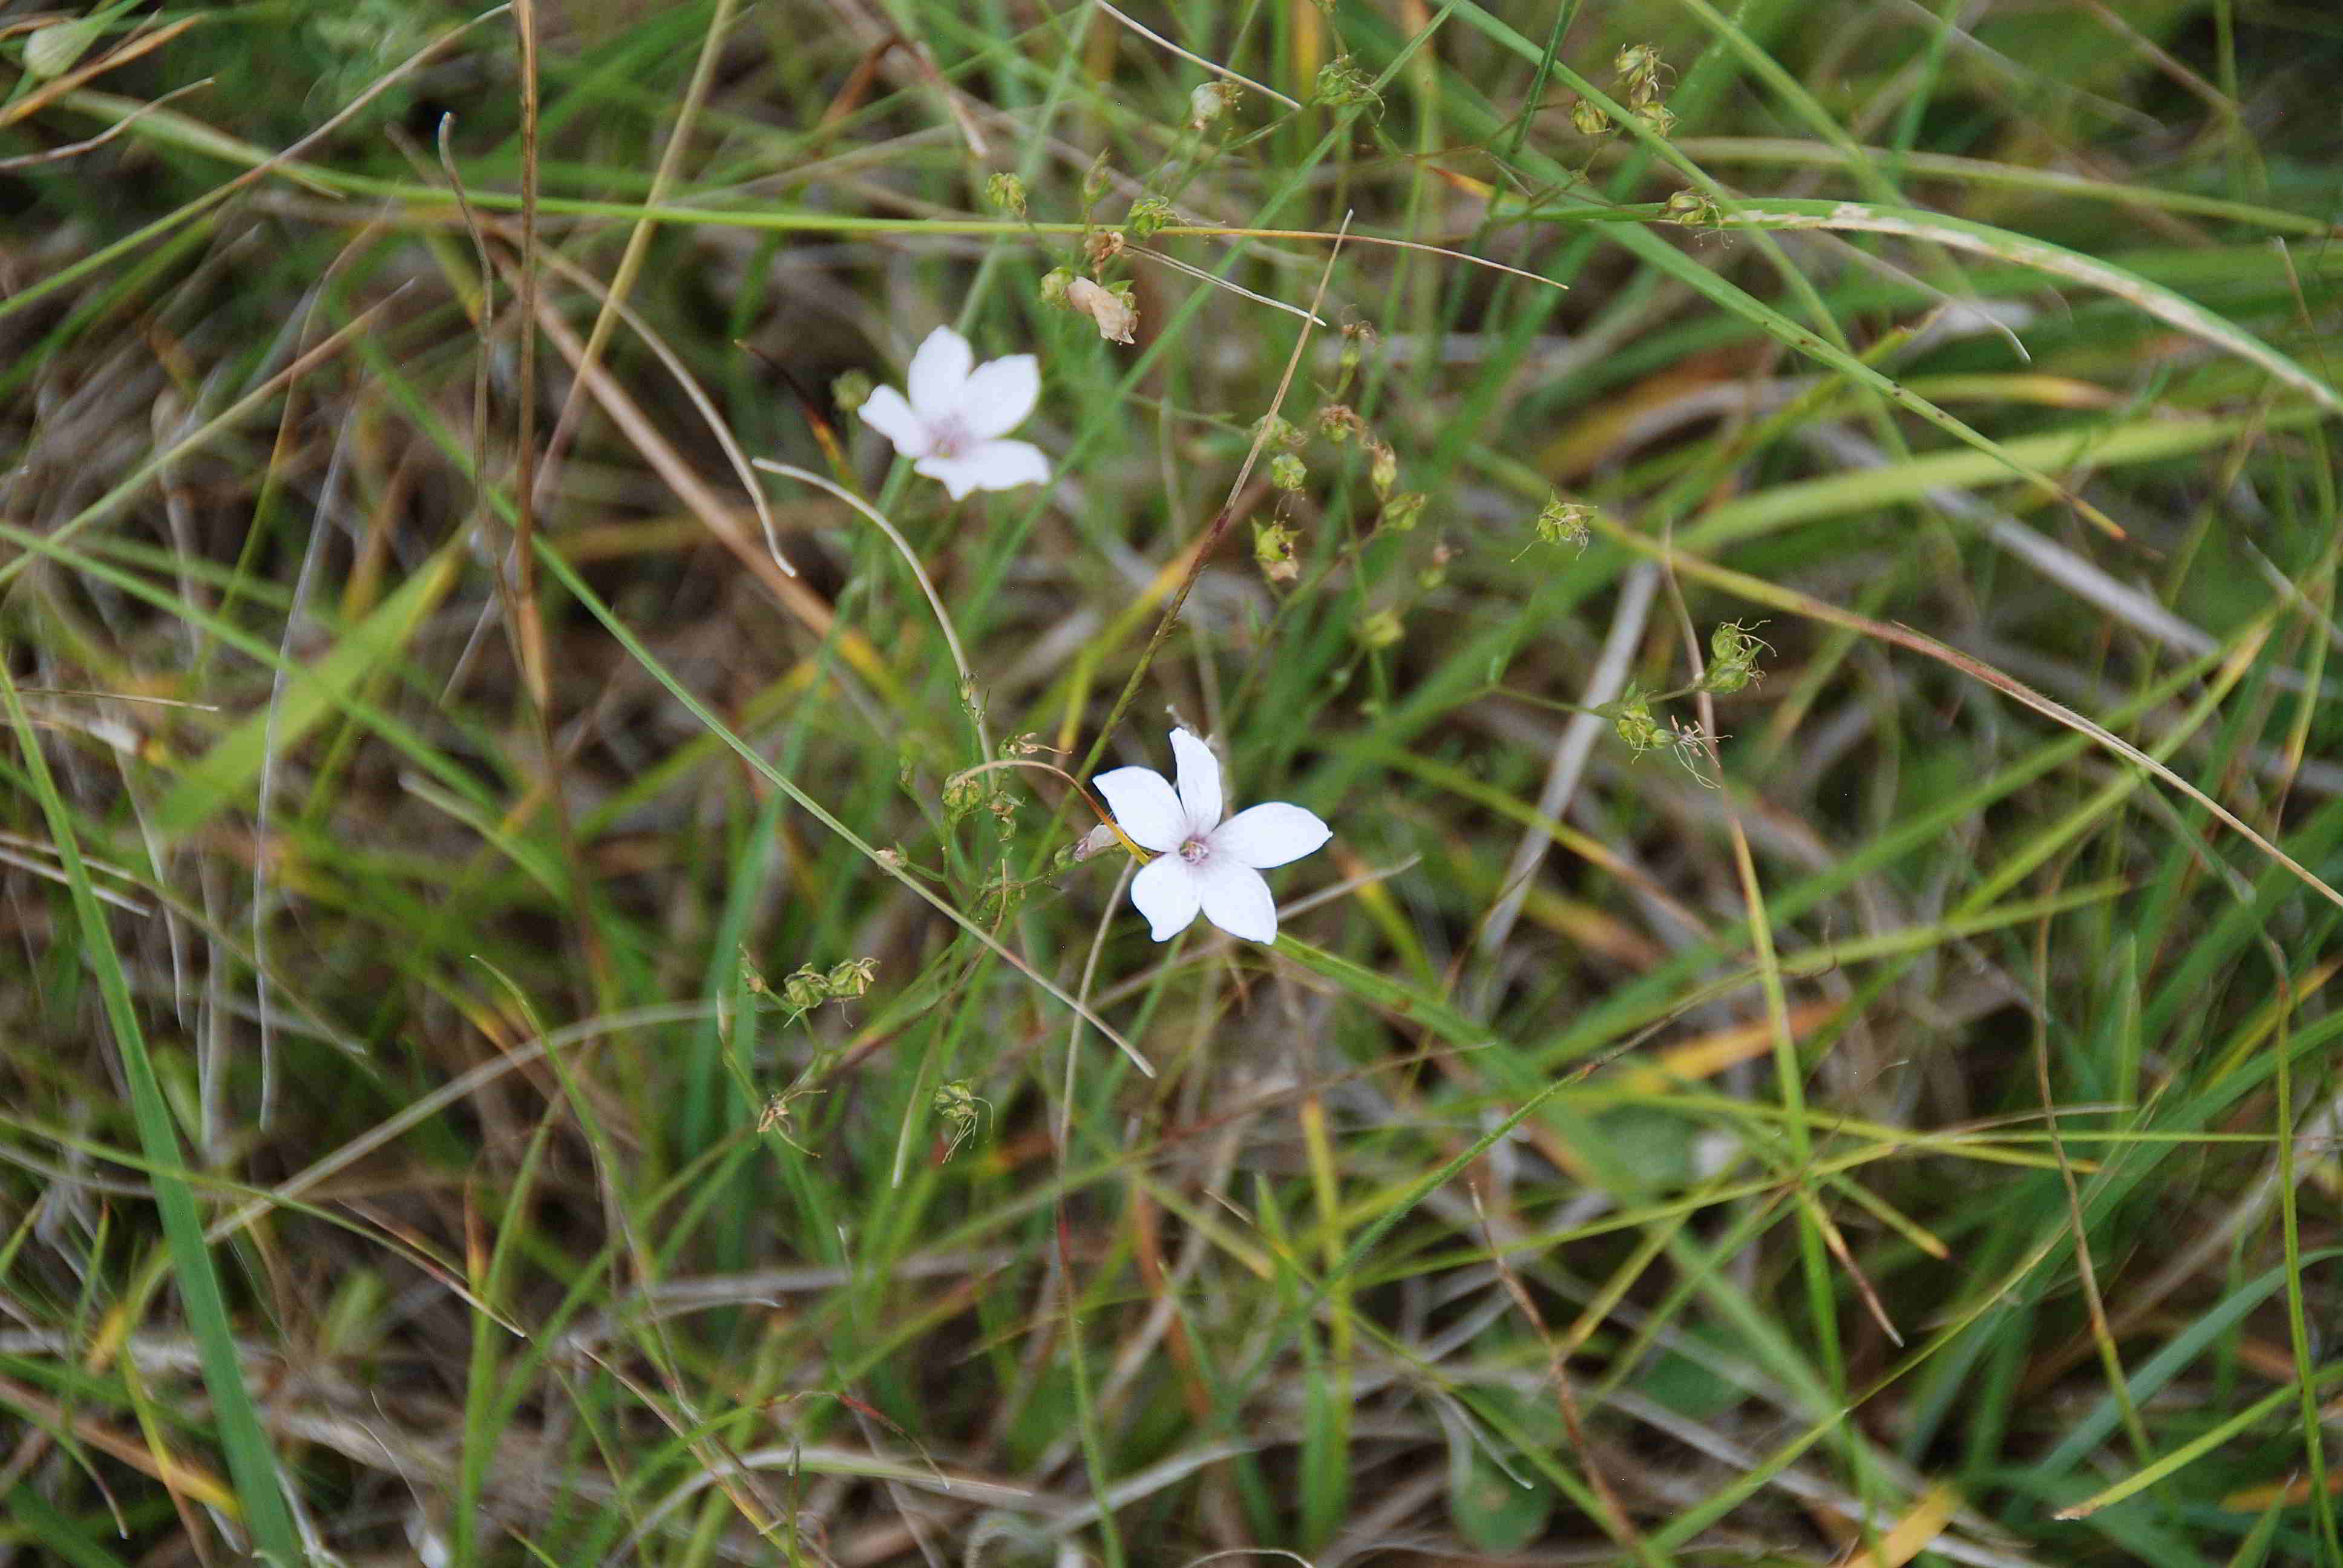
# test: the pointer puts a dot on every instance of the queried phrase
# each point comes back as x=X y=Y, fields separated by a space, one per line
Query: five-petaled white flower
x=952 y=423
x=1202 y=862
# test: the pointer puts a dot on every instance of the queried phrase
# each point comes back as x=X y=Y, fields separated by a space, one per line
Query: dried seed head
x=1148 y=215
x=1342 y=85
x=1404 y=510
x=1338 y=422
x=1630 y=720
x=806 y=989
x=1278 y=431
x=1733 y=659
x=1695 y=209
x=1095 y=180
x=1103 y=246
x=956 y=1104
x=1272 y=551
x=1639 y=68
x=964 y=792
x=1565 y=522
x=851 y=977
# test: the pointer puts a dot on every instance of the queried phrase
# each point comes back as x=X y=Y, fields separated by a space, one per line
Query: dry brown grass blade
x=809 y=607
x=175 y=1474
x=74 y=149
x=614 y=296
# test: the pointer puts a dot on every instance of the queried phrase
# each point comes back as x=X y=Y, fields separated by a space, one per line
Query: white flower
x=952 y=423
x=1202 y=862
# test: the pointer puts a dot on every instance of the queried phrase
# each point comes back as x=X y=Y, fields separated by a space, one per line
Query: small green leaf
x=51 y=51
x=1489 y=1508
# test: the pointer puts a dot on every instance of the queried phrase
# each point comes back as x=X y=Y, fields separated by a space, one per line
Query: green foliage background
x=525 y=1040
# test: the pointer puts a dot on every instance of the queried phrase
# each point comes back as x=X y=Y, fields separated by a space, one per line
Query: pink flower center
x=1196 y=850
x=948 y=437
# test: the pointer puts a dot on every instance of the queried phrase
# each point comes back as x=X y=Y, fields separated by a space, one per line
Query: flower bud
x=1098 y=841
x=1006 y=192
x=1210 y=102
x=1657 y=117
x=1110 y=309
x=1094 y=180
x=1055 y=282
x=1383 y=470
x=1587 y=119
x=850 y=391
x=1287 y=471
x=1378 y=628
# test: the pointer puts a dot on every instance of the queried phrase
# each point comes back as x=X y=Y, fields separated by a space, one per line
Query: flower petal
x=998 y=395
x=886 y=412
x=1145 y=807
x=992 y=466
x=1234 y=897
x=1200 y=779
x=1269 y=834
x=939 y=372
x=957 y=476
x=1166 y=892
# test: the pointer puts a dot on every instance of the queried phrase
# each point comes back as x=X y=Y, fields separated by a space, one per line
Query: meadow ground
x=566 y=996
